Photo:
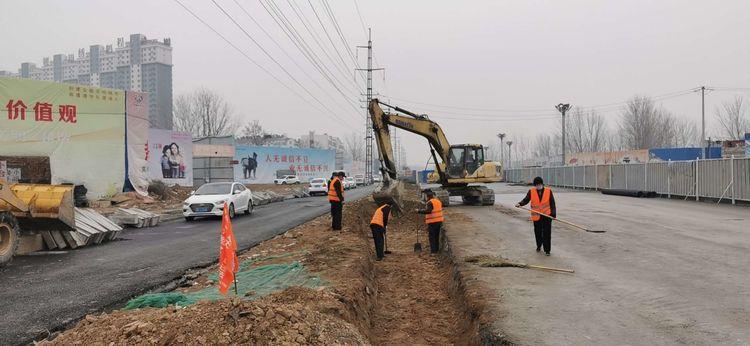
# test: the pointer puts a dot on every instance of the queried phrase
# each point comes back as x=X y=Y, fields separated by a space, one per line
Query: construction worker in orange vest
x=543 y=201
x=378 y=225
x=434 y=219
x=336 y=198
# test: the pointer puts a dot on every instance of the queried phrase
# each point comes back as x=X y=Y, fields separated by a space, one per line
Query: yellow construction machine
x=26 y=209
x=459 y=165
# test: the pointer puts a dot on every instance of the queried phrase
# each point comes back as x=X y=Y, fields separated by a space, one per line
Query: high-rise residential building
x=137 y=64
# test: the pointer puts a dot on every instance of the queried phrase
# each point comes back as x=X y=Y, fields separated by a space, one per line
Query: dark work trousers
x=336 y=209
x=543 y=233
x=433 y=230
x=377 y=235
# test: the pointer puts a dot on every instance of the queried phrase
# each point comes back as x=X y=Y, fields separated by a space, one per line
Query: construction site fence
x=722 y=179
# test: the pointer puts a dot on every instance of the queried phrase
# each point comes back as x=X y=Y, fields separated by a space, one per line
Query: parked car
x=287 y=179
x=209 y=200
x=318 y=186
x=350 y=183
x=360 y=179
x=377 y=178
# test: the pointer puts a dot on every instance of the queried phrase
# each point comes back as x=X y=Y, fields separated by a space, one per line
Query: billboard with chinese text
x=259 y=164
x=80 y=128
x=170 y=157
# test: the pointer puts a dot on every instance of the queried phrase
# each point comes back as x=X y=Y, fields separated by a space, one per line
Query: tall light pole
x=509 y=157
x=501 y=136
x=562 y=108
x=703 y=122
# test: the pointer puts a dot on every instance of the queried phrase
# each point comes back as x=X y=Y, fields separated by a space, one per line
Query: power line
x=338 y=30
x=249 y=58
x=296 y=39
x=282 y=49
x=272 y=58
x=320 y=21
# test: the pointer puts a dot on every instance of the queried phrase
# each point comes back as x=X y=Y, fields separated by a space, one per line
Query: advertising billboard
x=136 y=109
x=602 y=158
x=80 y=128
x=259 y=164
x=170 y=157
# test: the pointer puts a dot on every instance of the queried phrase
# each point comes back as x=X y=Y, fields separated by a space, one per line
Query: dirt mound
x=281 y=318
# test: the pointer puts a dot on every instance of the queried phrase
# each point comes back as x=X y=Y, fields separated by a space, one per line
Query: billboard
x=259 y=164
x=170 y=157
x=601 y=158
x=747 y=145
x=136 y=109
x=80 y=128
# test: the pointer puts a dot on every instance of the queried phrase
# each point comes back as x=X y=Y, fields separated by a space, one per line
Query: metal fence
x=727 y=179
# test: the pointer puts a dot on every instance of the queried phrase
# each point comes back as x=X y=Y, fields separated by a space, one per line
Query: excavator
x=459 y=165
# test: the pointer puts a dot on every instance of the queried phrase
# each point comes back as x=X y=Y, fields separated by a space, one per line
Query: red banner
x=228 y=261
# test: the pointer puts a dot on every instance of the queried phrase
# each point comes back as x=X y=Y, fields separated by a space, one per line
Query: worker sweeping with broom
x=542 y=201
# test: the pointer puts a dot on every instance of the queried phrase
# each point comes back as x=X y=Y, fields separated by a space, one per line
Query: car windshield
x=214 y=189
x=317 y=181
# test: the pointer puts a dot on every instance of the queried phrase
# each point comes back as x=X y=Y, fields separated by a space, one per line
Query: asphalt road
x=41 y=293
x=666 y=272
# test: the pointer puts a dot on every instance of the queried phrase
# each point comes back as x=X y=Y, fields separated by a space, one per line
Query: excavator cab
x=464 y=160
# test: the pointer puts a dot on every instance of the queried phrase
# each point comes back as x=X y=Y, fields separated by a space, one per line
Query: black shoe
x=538 y=249
x=546 y=253
x=379 y=259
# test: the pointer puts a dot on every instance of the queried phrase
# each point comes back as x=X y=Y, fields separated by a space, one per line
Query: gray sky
x=524 y=56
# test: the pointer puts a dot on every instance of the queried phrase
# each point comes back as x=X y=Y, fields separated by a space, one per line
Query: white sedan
x=287 y=179
x=209 y=200
x=318 y=186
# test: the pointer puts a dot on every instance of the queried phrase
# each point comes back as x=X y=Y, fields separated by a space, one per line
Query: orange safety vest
x=377 y=218
x=540 y=206
x=437 y=212
x=332 y=196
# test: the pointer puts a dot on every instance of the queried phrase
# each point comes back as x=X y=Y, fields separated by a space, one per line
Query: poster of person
x=260 y=164
x=170 y=157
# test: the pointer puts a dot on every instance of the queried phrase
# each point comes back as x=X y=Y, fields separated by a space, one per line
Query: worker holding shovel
x=378 y=226
x=434 y=219
x=542 y=201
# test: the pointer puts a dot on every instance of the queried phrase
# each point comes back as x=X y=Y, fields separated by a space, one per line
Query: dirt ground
x=409 y=298
x=666 y=272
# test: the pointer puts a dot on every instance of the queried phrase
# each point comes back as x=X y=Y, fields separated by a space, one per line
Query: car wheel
x=189 y=218
x=249 y=209
x=283 y=183
x=231 y=211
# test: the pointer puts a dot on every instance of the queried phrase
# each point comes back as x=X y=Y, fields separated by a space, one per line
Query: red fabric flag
x=228 y=261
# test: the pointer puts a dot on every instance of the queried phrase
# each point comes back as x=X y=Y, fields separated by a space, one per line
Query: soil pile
x=296 y=316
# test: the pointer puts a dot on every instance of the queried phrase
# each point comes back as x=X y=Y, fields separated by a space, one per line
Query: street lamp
x=562 y=108
x=501 y=136
x=510 y=163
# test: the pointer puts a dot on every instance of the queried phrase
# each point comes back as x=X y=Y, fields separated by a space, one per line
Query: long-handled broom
x=563 y=221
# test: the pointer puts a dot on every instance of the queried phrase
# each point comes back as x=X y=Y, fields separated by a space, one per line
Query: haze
x=514 y=55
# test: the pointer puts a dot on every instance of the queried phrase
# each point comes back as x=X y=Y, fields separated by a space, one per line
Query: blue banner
x=259 y=164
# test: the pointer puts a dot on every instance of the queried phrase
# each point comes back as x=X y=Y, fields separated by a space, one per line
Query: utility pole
x=510 y=163
x=368 y=120
x=562 y=108
x=501 y=136
x=703 y=122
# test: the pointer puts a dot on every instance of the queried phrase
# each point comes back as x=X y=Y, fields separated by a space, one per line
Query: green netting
x=260 y=281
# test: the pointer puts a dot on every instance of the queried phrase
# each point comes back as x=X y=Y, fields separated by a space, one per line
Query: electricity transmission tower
x=368 y=120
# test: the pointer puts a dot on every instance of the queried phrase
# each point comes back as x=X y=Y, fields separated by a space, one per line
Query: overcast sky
x=519 y=58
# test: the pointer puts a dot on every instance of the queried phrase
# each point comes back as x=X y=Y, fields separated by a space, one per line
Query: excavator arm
x=414 y=123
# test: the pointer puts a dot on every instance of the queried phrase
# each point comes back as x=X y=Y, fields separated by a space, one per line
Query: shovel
x=563 y=221
x=417 y=245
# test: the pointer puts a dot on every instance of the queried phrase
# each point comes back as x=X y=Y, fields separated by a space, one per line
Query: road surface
x=666 y=272
x=41 y=293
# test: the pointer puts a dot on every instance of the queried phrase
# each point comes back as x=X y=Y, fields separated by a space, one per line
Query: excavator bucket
x=46 y=204
x=390 y=192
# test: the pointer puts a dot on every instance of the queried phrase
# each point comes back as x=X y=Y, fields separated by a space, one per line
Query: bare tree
x=685 y=133
x=586 y=131
x=203 y=113
x=544 y=146
x=732 y=118
x=644 y=126
x=354 y=146
x=253 y=133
